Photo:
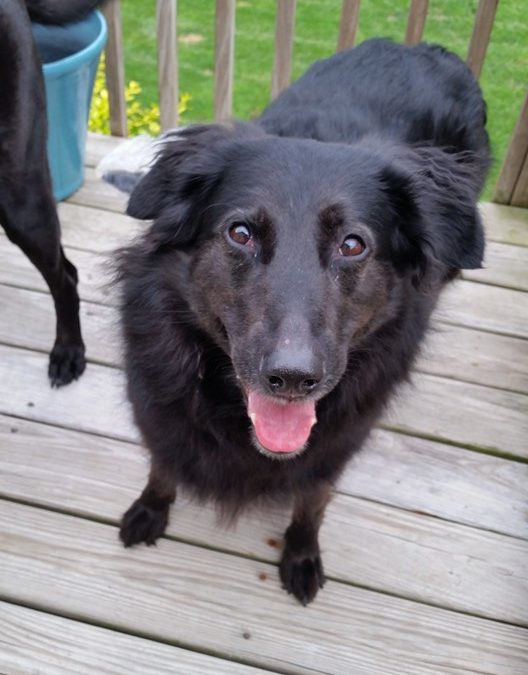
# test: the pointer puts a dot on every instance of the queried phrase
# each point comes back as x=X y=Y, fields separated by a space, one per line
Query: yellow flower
x=141 y=118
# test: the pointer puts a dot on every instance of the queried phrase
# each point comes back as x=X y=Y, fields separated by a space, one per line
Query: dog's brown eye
x=239 y=233
x=352 y=246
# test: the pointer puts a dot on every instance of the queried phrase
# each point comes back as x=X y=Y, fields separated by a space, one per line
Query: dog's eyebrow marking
x=330 y=217
x=265 y=231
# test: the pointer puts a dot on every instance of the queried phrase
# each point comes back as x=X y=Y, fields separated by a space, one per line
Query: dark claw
x=302 y=575
x=67 y=363
x=141 y=523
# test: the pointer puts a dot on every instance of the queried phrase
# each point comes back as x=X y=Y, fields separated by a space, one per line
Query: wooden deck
x=425 y=543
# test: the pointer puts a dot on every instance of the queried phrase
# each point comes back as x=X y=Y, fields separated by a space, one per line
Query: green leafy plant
x=141 y=118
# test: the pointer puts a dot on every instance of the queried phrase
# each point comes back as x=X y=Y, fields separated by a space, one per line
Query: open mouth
x=281 y=427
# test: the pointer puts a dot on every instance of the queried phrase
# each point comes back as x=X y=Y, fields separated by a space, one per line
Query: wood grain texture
x=492 y=419
x=99 y=478
x=451 y=351
x=508 y=267
x=504 y=265
x=505 y=224
x=282 y=58
x=115 y=68
x=458 y=412
x=348 y=24
x=96 y=230
x=520 y=192
x=224 y=58
x=475 y=356
x=98 y=146
x=28 y=320
x=96 y=403
x=95 y=272
x=514 y=160
x=30 y=644
x=416 y=21
x=430 y=477
x=167 y=63
x=96 y=193
x=480 y=37
x=169 y=592
x=483 y=307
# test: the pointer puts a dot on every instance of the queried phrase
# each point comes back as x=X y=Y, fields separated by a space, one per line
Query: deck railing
x=512 y=185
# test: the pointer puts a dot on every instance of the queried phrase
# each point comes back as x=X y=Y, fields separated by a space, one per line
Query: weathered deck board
x=96 y=403
x=98 y=194
x=493 y=419
x=98 y=146
x=94 y=278
x=459 y=412
x=489 y=308
x=30 y=643
x=430 y=477
x=423 y=524
x=92 y=229
x=98 y=478
x=475 y=356
x=452 y=351
x=507 y=224
x=504 y=265
x=393 y=469
x=28 y=321
x=169 y=592
x=504 y=224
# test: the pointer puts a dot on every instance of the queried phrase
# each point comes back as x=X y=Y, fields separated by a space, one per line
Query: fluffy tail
x=60 y=11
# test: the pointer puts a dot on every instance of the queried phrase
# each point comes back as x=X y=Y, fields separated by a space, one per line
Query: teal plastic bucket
x=70 y=56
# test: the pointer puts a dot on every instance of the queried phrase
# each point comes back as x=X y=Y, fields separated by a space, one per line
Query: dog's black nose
x=291 y=373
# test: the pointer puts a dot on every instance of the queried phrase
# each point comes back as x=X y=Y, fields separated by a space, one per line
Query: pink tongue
x=281 y=427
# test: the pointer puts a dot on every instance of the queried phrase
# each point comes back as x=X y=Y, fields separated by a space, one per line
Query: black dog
x=288 y=279
x=27 y=209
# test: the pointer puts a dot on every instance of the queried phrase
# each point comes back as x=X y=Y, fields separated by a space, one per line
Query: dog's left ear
x=434 y=198
x=173 y=192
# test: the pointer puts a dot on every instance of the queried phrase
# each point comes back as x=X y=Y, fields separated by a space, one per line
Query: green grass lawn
x=449 y=23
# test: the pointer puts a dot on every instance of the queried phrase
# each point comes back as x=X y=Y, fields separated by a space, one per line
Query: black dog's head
x=297 y=251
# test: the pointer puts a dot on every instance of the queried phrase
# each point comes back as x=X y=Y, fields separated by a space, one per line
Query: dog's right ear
x=188 y=167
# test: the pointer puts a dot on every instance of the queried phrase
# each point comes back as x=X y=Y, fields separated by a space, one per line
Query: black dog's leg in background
x=147 y=518
x=35 y=228
x=301 y=569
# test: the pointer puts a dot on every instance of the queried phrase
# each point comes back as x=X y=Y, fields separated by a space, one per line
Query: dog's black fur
x=385 y=142
x=27 y=209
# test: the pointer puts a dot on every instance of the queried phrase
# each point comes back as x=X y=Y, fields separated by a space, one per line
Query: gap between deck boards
x=166 y=593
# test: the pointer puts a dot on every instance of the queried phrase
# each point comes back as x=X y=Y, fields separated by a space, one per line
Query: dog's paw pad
x=141 y=523
x=67 y=363
x=302 y=575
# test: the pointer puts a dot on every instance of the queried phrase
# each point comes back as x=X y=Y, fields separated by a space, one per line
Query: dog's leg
x=37 y=232
x=301 y=569
x=148 y=516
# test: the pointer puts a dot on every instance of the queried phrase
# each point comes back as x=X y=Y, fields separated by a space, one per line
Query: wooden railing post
x=115 y=69
x=512 y=185
x=224 y=58
x=166 y=11
x=481 y=34
x=284 y=27
x=348 y=25
x=416 y=21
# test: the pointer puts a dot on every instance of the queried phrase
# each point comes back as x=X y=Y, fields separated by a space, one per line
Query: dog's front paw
x=67 y=363
x=141 y=523
x=301 y=574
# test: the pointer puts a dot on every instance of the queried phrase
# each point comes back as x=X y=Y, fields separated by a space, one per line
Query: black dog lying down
x=288 y=278
x=27 y=208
